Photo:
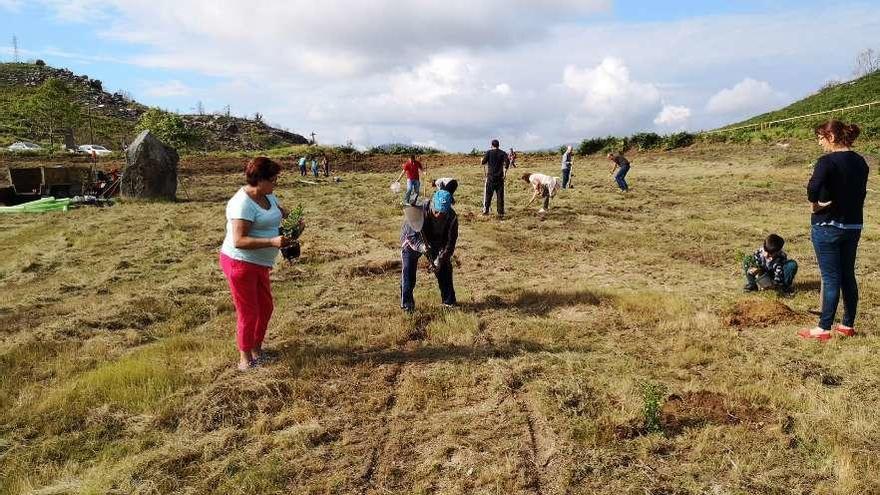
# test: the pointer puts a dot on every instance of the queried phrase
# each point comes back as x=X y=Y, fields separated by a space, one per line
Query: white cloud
x=609 y=97
x=167 y=89
x=673 y=116
x=502 y=89
x=441 y=76
x=746 y=97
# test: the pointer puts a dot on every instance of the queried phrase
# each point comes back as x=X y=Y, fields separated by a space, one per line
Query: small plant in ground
x=653 y=396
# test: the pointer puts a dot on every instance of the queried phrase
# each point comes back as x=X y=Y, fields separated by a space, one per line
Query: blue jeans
x=620 y=177
x=409 y=268
x=566 y=177
x=836 y=253
x=412 y=191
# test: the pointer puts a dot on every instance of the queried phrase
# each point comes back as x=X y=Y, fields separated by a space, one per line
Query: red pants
x=252 y=296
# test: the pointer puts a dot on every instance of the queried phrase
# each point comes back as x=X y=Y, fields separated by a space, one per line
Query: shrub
x=593 y=145
x=678 y=140
x=168 y=128
x=402 y=149
x=645 y=141
x=40 y=63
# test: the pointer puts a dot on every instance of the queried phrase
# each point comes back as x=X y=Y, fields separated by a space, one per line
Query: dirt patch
x=373 y=268
x=760 y=313
x=695 y=410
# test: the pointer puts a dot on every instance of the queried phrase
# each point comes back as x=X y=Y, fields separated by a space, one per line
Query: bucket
x=395 y=187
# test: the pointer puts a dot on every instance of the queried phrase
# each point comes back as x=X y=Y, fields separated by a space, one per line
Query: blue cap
x=442 y=201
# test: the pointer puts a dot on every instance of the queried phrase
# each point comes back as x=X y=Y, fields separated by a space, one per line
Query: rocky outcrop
x=214 y=132
x=150 y=170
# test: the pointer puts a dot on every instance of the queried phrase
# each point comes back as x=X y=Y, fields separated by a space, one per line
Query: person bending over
x=770 y=268
x=542 y=185
x=436 y=241
x=446 y=184
x=619 y=170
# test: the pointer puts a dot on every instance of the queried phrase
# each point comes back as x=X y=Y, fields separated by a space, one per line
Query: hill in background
x=109 y=118
x=832 y=96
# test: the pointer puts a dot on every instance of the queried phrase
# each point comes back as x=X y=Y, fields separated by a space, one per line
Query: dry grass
x=117 y=349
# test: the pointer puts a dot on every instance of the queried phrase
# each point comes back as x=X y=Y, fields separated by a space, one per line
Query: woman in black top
x=837 y=192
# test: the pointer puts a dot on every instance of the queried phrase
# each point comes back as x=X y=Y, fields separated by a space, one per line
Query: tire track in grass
x=375 y=455
x=530 y=457
x=417 y=332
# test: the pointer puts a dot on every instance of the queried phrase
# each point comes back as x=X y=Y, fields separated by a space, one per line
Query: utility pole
x=15 y=49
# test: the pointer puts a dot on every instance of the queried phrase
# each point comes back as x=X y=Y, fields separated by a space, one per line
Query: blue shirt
x=264 y=225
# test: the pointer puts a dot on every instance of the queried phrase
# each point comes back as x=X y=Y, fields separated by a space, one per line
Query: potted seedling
x=292 y=227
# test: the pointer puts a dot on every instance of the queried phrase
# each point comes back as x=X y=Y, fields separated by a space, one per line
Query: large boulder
x=150 y=170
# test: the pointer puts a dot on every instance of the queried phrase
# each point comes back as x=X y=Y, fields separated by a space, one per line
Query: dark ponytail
x=844 y=134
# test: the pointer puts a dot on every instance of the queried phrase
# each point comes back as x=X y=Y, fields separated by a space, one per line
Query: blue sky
x=457 y=73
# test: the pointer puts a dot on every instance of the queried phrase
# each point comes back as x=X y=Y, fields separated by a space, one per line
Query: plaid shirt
x=772 y=266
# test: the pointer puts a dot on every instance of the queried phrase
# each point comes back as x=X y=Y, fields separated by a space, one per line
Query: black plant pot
x=291 y=252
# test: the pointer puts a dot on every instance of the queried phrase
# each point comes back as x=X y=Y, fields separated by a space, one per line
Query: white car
x=24 y=146
x=94 y=148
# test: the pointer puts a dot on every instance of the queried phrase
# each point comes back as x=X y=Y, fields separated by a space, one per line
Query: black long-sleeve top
x=441 y=234
x=842 y=178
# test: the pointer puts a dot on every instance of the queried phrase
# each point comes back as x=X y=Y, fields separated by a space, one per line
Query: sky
x=454 y=74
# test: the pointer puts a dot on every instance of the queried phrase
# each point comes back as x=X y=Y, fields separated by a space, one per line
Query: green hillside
x=833 y=96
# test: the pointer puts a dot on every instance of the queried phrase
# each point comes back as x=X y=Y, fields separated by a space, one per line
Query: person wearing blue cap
x=436 y=240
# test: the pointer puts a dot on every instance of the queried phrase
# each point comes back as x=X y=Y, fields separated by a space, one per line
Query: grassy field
x=117 y=345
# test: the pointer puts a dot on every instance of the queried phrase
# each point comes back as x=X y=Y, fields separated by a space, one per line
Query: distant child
x=302 y=166
x=770 y=268
x=544 y=186
x=619 y=170
x=411 y=168
x=315 y=166
x=512 y=156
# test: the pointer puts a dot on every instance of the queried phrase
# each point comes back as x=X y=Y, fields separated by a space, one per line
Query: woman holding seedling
x=253 y=217
x=837 y=193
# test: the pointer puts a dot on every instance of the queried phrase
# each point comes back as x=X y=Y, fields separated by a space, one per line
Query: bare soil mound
x=760 y=313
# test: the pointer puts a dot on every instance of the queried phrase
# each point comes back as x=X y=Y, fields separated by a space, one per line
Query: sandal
x=815 y=333
x=845 y=331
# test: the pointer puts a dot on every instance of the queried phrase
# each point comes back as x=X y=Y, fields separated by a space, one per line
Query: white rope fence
x=767 y=125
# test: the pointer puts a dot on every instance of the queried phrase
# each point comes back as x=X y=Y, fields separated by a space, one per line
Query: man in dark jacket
x=436 y=241
x=495 y=163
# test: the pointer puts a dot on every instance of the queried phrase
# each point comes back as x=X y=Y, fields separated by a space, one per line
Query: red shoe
x=807 y=333
x=845 y=330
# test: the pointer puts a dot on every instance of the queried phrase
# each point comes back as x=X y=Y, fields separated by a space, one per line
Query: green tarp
x=41 y=205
